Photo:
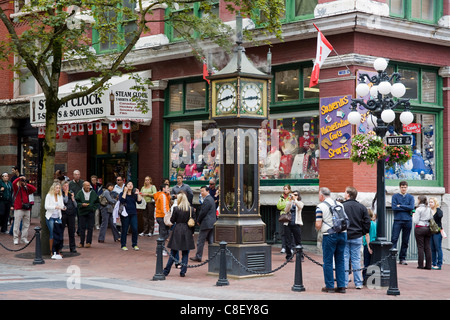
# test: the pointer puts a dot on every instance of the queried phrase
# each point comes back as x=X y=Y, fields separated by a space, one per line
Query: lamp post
x=381 y=107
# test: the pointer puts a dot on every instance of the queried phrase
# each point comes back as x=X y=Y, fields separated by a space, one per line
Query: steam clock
x=239 y=96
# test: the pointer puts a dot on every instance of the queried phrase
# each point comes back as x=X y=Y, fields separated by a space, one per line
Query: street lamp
x=384 y=99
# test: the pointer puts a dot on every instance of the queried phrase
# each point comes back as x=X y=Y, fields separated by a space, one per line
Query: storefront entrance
x=108 y=167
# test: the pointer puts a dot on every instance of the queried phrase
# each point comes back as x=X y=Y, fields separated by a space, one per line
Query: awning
x=115 y=104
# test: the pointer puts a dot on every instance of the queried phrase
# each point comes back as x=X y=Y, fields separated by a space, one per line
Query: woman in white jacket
x=54 y=203
x=421 y=219
x=292 y=228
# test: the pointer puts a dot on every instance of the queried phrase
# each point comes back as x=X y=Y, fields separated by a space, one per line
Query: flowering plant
x=370 y=148
x=367 y=148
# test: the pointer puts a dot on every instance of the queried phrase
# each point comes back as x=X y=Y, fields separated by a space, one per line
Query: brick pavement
x=106 y=264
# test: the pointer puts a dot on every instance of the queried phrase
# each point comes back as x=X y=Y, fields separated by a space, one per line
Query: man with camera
x=22 y=208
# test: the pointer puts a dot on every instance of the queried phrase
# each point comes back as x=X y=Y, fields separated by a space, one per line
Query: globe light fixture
x=398 y=90
x=354 y=117
x=362 y=89
x=406 y=117
x=384 y=87
x=388 y=116
x=374 y=91
x=380 y=64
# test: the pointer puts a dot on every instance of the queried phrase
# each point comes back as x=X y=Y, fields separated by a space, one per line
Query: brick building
x=413 y=38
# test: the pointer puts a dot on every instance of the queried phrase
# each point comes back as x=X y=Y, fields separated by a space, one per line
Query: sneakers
x=124 y=248
x=283 y=250
x=24 y=241
x=56 y=256
x=141 y=234
x=136 y=248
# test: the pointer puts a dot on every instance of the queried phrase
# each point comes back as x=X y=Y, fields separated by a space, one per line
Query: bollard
x=38 y=252
x=223 y=281
x=393 y=289
x=159 y=275
x=298 y=281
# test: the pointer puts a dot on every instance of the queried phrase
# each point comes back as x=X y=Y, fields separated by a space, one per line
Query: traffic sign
x=399 y=140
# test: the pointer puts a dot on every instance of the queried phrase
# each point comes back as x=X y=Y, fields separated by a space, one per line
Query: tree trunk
x=48 y=169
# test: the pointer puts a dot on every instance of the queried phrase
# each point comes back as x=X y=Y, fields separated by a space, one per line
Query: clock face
x=226 y=97
x=251 y=97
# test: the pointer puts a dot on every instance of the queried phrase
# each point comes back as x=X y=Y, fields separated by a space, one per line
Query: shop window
x=288 y=147
x=422 y=166
x=429 y=84
x=187 y=96
x=410 y=78
x=30 y=159
x=293 y=85
x=419 y=10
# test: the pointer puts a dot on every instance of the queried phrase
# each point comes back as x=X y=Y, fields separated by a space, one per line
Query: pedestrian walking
x=87 y=202
x=436 y=239
x=22 y=208
x=292 y=228
x=54 y=205
x=206 y=219
x=106 y=213
x=333 y=243
x=421 y=219
x=98 y=188
x=180 y=186
x=69 y=215
x=402 y=205
x=148 y=214
x=129 y=197
x=359 y=226
x=182 y=238
x=6 y=201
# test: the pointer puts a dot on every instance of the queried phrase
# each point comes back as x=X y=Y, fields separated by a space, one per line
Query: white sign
x=118 y=103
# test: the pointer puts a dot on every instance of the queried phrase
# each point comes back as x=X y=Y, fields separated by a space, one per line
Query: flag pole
x=337 y=54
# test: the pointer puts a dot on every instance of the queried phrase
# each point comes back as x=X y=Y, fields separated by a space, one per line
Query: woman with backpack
x=106 y=213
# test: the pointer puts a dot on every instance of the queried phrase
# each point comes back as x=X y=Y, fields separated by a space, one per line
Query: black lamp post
x=381 y=106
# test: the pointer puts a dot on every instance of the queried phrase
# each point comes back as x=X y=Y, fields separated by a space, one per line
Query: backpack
x=103 y=200
x=340 y=218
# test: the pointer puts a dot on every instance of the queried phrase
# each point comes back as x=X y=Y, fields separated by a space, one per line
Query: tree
x=54 y=34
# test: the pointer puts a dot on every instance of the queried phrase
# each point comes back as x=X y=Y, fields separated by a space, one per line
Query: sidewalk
x=107 y=263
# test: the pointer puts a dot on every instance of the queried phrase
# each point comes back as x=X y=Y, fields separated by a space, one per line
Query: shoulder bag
x=191 y=221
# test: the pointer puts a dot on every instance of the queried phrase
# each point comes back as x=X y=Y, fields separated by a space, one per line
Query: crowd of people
x=342 y=249
x=80 y=206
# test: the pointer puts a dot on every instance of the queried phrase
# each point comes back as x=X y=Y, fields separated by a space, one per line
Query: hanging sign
x=335 y=130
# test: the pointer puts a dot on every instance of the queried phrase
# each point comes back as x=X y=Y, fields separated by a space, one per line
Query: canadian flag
x=90 y=128
x=98 y=127
x=73 y=129
x=126 y=127
x=323 y=50
x=58 y=129
x=66 y=131
x=205 y=72
x=41 y=132
x=112 y=127
x=81 y=129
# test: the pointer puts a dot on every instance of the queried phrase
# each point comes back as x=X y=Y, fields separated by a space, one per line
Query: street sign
x=399 y=140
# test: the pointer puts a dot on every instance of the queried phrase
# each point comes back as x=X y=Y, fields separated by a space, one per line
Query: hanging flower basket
x=370 y=148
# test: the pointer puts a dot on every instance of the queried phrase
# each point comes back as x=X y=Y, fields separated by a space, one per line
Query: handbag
x=285 y=217
x=142 y=205
x=167 y=217
x=434 y=228
x=191 y=221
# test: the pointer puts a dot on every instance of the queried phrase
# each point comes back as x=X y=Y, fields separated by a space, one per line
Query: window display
x=422 y=166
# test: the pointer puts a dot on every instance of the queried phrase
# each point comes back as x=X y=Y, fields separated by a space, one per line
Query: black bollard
x=298 y=281
x=393 y=286
x=159 y=275
x=38 y=252
x=223 y=281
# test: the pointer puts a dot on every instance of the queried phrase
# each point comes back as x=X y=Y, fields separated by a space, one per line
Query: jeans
x=403 y=226
x=129 y=221
x=333 y=246
x=107 y=219
x=353 y=253
x=436 y=249
x=184 y=261
x=50 y=224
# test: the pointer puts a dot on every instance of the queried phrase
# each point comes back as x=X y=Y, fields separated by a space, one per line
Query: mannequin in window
x=305 y=140
x=273 y=162
x=289 y=146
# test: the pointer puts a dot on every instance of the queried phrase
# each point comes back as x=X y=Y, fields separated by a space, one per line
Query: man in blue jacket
x=402 y=205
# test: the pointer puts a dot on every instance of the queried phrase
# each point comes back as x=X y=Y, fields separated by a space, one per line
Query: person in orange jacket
x=162 y=207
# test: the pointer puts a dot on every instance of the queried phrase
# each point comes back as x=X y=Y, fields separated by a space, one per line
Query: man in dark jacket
x=358 y=227
x=206 y=219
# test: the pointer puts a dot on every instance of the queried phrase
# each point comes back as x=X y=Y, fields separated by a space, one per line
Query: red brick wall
x=77 y=156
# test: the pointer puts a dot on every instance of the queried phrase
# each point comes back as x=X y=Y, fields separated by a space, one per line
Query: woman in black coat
x=182 y=235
